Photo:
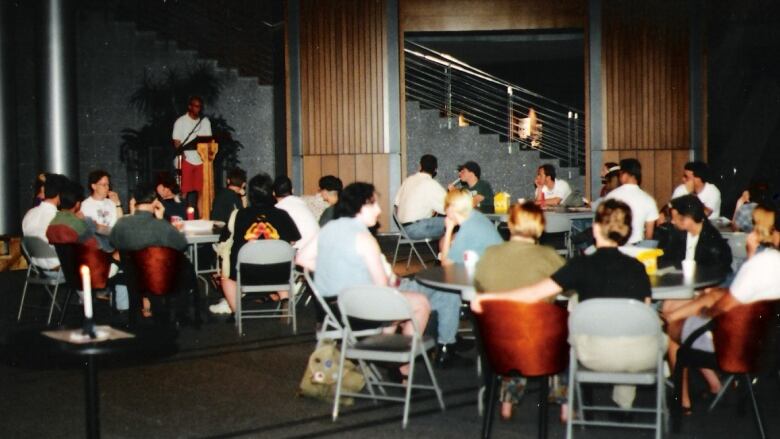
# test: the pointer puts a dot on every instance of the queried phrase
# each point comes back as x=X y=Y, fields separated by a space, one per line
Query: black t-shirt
x=608 y=273
x=224 y=202
x=173 y=208
x=259 y=222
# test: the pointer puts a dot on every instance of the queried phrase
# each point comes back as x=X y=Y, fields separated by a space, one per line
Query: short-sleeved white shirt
x=757 y=279
x=103 y=211
x=709 y=196
x=418 y=197
x=183 y=131
x=302 y=217
x=643 y=208
x=35 y=223
x=560 y=189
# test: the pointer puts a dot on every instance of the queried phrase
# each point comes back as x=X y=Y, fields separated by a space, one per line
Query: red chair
x=152 y=271
x=529 y=339
x=739 y=337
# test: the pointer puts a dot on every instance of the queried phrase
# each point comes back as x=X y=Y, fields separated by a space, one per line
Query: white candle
x=86 y=282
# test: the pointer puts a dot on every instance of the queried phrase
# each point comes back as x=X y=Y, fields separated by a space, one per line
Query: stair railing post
x=510 y=113
x=448 y=102
x=568 y=138
x=576 y=140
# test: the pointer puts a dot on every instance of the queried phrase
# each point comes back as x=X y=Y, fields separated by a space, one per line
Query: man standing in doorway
x=186 y=130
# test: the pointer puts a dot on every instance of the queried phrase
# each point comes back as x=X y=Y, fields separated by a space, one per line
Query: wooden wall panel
x=347 y=168
x=471 y=15
x=312 y=172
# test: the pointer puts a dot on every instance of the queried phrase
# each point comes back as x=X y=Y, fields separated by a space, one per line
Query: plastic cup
x=470 y=258
x=689 y=269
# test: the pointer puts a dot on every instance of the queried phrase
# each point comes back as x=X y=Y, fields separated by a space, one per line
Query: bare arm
x=446 y=241
x=697 y=305
x=554 y=201
x=368 y=249
x=649 y=228
x=533 y=293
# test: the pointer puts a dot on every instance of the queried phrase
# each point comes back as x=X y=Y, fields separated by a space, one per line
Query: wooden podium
x=207 y=151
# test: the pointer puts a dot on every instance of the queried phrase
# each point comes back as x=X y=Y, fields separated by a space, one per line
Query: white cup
x=689 y=269
x=470 y=258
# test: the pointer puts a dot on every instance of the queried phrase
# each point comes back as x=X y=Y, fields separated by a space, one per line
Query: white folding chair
x=261 y=253
x=624 y=321
x=382 y=304
x=33 y=247
x=404 y=239
x=558 y=223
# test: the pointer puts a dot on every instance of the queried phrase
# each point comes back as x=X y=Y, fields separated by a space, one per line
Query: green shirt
x=515 y=264
x=481 y=187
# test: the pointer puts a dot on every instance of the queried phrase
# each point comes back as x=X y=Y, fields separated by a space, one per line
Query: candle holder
x=89 y=328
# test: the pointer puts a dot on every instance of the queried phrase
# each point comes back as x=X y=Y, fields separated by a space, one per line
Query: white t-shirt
x=758 y=278
x=103 y=211
x=643 y=208
x=418 y=197
x=183 y=131
x=709 y=196
x=691 y=242
x=302 y=217
x=561 y=189
x=35 y=223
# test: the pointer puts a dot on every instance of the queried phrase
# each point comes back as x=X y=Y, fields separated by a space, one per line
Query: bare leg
x=421 y=310
x=713 y=381
x=229 y=288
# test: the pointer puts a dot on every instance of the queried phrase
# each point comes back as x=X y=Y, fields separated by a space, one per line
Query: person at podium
x=186 y=131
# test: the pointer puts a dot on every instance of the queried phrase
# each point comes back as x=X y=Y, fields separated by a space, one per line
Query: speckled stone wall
x=513 y=172
x=111 y=60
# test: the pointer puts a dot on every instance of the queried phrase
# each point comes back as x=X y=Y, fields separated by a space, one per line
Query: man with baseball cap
x=469 y=175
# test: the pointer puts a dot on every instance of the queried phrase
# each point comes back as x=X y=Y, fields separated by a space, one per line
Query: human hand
x=131 y=205
x=476 y=304
x=113 y=196
x=449 y=223
x=744 y=198
x=159 y=209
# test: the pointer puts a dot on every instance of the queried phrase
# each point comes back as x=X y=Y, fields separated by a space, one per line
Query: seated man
x=644 y=211
x=168 y=192
x=37 y=219
x=469 y=175
x=420 y=202
x=695 y=181
x=145 y=227
x=303 y=219
x=695 y=238
x=330 y=189
x=229 y=198
x=550 y=191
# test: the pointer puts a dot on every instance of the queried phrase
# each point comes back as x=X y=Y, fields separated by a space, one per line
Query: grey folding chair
x=382 y=304
x=262 y=254
x=558 y=223
x=330 y=327
x=596 y=319
x=404 y=239
x=33 y=247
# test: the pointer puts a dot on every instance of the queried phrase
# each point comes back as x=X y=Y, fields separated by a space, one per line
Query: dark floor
x=222 y=385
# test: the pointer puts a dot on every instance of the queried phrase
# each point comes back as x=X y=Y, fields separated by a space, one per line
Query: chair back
x=739 y=336
x=266 y=255
x=529 y=338
x=373 y=302
x=738 y=244
x=35 y=247
x=398 y=224
x=556 y=223
x=98 y=261
x=156 y=269
x=614 y=318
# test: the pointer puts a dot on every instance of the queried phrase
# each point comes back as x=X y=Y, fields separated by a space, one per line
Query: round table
x=34 y=348
x=451 y=277
x=672 y=284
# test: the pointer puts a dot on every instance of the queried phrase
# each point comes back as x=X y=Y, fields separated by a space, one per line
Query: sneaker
x=220 y=307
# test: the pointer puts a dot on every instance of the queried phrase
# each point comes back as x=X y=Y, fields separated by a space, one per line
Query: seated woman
x=261 y=220
x=763 y=234
x=607 y=273
x=348 y=254
x=517 y=263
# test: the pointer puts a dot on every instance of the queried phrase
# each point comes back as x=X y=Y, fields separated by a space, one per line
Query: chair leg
x=435 y=383
x=754 y=402
x=239 y=327
x=397 y=246
x=544 y=391
x=723 y=388
x=24 y=294
x=53 y=303
x=409 y=385
x=490 y=406
x=570 y=394
x=676 y=401
x=65 y=306
x=337 y=397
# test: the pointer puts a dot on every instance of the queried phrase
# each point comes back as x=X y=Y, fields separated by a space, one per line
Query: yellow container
x=501 y=202
x=650 y=257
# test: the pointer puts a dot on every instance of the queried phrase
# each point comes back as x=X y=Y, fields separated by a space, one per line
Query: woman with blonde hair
x=517 y=263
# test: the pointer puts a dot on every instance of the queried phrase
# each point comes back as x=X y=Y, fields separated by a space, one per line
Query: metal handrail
x=440 y=81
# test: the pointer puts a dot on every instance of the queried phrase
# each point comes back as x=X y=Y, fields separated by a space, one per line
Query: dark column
x=595 y=106
x=57 y=88
x=695 y=68
x=392 y=103
x=10 y=222
x=294 y=87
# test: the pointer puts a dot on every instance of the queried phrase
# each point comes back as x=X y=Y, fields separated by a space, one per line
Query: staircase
x=505 y=165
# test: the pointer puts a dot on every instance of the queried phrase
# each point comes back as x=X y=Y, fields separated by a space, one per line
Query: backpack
x=319 y=379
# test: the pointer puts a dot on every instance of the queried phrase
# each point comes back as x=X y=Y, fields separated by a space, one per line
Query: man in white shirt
x=37 y=219
x=644 y=211
x=549 y=189
x=695 y=181
x=302 y=217
x=420 y=202
x=186 y=129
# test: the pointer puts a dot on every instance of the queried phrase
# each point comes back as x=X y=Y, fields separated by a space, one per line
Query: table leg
x=92 y=398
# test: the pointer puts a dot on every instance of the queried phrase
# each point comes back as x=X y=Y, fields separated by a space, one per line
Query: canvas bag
x=319 y=379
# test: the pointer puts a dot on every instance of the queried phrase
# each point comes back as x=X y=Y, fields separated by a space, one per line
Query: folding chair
x=382 y=304
x=630 y=323
x=33 y=247
x=558 y=223
x=262 y=258
x=528 y=339
x=404 y=239
x=739 y=336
